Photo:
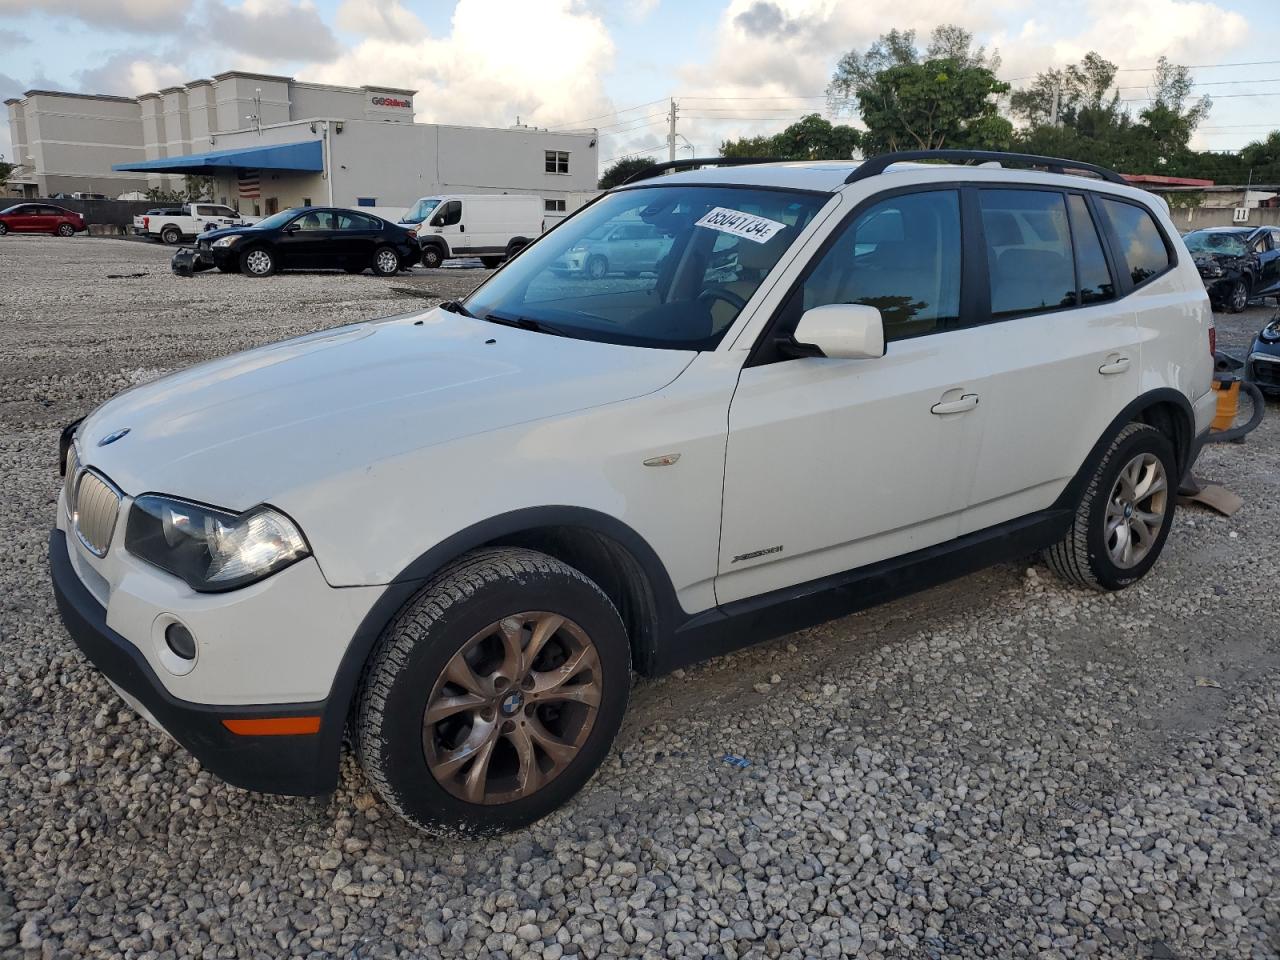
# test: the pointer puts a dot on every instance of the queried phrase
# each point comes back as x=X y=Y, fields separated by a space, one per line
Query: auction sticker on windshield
x=745 y=225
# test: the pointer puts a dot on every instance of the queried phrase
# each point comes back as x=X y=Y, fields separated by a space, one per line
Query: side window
x=1029 y=256
x=1260 y=245
x=450 y=214
x=901 y=255
x=1142 y=250
x=315 y=220
x=1091 y=263
x=354 y=221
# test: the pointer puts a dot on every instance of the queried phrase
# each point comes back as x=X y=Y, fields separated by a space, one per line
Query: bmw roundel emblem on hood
x=112 y=437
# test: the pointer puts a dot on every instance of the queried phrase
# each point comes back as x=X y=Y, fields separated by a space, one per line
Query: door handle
x=462 y=228
x=966 y=402
x=1116 y=365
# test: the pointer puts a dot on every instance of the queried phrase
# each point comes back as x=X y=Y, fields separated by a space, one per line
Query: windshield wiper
x=524 y=323
x=455 y=306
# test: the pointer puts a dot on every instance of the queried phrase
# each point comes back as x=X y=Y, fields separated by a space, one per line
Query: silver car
x=627 y=248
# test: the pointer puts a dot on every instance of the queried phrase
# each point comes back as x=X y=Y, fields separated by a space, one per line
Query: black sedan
x=1237 y=264
x=310 y=238
x=1263 y=365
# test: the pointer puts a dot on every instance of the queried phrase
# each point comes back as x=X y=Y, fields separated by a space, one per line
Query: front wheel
x=597 y=267
x=66 y=230
x=4 y=228
x=1238 y=299
x=257 y=262
x=1124 y=516
x=386 y=262
x=494 y=695
x=431 y=257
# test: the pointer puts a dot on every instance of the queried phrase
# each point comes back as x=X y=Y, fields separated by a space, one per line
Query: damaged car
x=1237 y=264
x=1263 y=365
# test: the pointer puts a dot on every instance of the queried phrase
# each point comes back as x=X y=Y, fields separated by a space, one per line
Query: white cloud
x=384 y=19
x=139 y=16
x=288 y=30
x=131 y=73
x=540 y=60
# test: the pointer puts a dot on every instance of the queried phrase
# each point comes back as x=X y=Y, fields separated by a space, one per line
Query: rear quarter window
x=1142 y=250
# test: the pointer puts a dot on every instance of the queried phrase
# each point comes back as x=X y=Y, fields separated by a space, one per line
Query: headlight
x=226 y=241
x=1271 y=332
x=212 y=549
x=1211 y=270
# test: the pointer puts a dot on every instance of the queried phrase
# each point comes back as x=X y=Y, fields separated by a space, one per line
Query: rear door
x=1063 y=346
x=46 y=219
x=354 y=238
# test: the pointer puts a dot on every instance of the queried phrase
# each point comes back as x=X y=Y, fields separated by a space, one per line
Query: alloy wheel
x=512 y=708
x=1136 y=510
x=1239 y=296
x=258 y=262
x=65 y=230
x=388 y=262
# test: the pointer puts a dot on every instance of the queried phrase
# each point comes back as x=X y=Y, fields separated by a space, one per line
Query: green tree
x=193 y=189
x=624 y=168
x=1172 y=117
x=942 y=97
x=5 y=169
x=810 y=138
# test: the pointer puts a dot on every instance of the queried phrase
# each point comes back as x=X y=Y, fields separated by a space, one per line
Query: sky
x=735 y=67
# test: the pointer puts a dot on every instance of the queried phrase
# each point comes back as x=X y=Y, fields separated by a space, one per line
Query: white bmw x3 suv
x=455 y=534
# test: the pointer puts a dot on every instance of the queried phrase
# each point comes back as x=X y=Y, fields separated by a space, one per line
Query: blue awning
x=307 y=156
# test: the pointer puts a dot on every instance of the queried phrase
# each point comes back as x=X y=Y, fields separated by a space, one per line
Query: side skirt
x=745 y=622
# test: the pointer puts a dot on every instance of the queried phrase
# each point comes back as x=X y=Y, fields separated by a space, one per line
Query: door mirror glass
x=845 y=331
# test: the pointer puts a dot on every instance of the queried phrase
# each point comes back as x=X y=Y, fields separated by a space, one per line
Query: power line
x=615 y=113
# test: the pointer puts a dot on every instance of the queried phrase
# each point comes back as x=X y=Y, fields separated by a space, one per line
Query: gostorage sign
x=391 y=102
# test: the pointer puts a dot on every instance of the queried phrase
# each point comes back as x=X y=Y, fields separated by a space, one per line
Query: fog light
x=180 y=641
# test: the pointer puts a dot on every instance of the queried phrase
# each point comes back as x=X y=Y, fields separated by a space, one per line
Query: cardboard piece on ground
x=1215 y=497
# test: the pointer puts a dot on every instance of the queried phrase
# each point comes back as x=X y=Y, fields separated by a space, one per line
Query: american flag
x=249 y=185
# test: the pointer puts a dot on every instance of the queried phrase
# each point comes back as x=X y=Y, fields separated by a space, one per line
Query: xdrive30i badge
x=757 y=553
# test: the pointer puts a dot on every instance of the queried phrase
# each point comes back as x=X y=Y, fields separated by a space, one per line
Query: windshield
x=1231 y=244
x=279 y=219
x=676 y=272
x=11 y=209
x=420 y=210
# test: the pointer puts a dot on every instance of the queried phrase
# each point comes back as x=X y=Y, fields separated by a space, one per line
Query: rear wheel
x=171 y=235
x=494 y=695
x=257 y=262
x=386 y=262
x=65 y=230
x=1124 y=516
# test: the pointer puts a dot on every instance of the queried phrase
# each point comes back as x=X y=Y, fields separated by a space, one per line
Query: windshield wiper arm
x=455 y=306
x=524 y=323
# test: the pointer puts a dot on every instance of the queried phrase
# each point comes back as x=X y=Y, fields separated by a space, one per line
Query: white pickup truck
x=174 y=226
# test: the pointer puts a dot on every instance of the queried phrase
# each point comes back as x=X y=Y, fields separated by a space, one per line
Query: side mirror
x=292 y=228
x=845 y=331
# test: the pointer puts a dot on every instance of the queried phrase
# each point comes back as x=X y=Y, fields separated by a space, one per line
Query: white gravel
x=1001 y=767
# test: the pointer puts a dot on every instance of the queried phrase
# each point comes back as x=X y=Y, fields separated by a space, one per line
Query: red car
x=40 y=218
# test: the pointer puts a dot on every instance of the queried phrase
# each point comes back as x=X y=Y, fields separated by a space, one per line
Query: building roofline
x=79 y=96
x=373 y=88
x=165 y=90
x=12 y=100
x=200 y=82
x=148 y=96
x=251 y=76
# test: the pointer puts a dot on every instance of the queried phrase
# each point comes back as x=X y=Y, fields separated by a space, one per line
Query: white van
x=489 y=226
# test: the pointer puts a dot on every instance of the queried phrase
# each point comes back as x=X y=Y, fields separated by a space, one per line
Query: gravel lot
x=1003 y=766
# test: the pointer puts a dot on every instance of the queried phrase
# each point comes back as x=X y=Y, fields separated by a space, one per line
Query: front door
x=447 y=223
x=307 y=241
x=24 y=218
x=837 y=464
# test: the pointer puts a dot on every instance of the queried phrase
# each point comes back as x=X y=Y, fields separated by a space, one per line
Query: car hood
x=255 y=426
x=231 y=232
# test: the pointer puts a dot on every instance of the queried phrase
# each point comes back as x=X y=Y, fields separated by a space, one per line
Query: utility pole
x=671 y=130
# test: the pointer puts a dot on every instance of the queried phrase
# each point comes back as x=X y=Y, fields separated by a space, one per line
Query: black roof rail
x=878 y=164
x=694 y=162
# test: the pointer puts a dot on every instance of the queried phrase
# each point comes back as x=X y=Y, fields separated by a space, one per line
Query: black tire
x=252 y=263
x=409 y=659
x=4 y=228
x=1082 y=555
x=1238 y=298
x=597 y=267
x=386 y=262
x=171 y=235
x=65 y=230
x=432 y=257
x=491 y=263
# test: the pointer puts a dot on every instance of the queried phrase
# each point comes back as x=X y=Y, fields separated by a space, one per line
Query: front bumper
x=299 y=765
